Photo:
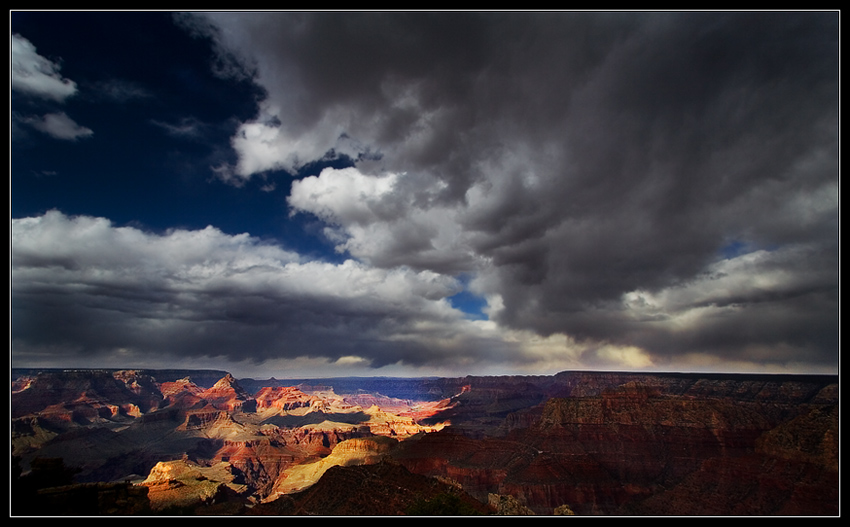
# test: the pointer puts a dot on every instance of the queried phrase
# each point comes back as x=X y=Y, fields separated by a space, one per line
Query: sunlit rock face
x=182 y=484
x=283 y=398
x=228 y=395
x=182 y=393
x=358 y=451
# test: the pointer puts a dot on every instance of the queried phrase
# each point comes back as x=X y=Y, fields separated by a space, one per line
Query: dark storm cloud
x=580 y=156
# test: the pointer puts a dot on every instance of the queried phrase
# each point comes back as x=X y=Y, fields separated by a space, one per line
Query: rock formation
x=85 y=396
x=358 y=451
x=182 y=393
x=283 y=398
x=381 y=489
x=181 y=484
x=228 y=395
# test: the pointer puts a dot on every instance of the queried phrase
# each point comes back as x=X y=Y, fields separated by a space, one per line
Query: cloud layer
x=624 y=189
x=101 y=288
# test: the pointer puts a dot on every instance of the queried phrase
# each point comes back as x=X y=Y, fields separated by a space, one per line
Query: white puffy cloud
x=376 y=219
x=39 y=77
x=59 y=126
x=263 y=144
x=36 y=75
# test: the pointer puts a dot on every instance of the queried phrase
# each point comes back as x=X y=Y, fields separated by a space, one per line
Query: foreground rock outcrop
x=180 y=484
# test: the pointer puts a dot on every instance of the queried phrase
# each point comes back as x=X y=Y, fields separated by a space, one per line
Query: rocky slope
x=384 y=488
x=356 y=451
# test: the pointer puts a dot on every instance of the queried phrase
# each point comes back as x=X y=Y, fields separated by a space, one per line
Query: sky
x=297 y=194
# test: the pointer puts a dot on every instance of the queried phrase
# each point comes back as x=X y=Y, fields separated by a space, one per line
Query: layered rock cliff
x=85 y=396
x=644 y=444
x=228 y=395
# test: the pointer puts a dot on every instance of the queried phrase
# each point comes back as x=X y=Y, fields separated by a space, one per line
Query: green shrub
x=444 y=504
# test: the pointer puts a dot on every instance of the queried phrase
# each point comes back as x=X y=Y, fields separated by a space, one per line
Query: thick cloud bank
x=83 y=286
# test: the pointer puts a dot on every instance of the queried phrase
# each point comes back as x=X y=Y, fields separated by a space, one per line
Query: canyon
x=174 y=442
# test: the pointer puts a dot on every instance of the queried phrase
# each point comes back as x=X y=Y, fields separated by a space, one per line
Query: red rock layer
x=635 y=449
x=283 y=398
x=228 y=395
